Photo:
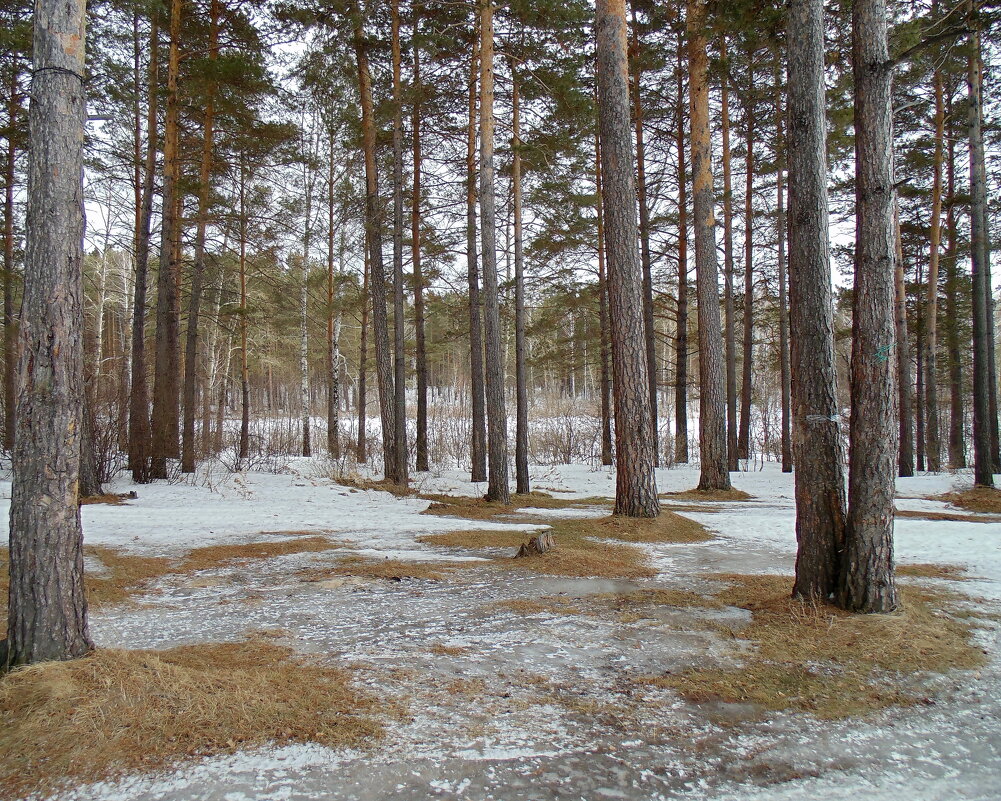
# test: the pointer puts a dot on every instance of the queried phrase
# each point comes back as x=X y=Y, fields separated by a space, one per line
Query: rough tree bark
x=164 y=421
x=139 y=422
x=932 y=428
x=244 y=322
x=9 y=325
x=48 y=608
x=905 y=452
x=867 y=583
x=421 y=366
x=957 y=415
x=497 y=482
x=605 y=378
x=728 y=269
x=681 y=334
x=747 y=361
x=635 y=488
x=198 y=267
x=983 y=455
x=377 y=273
x=478 y=441
x=817 y=449
x=780 y=235
x=400 y=457
x=520 y=367
x=649 y=322
x=362 y=445
x=712 y=405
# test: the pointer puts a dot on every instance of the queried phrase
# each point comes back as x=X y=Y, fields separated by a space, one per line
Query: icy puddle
x=520 y=686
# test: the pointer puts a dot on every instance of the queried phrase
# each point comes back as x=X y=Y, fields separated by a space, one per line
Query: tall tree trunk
x=867 y=583
x=9 y=325
x=164 y=421
x=478 y=442
x=421 y=359
x=198 y=268
x=305 y=394
x=919 y=384
x=649 y=322
x=744 y=439
x=521 y=379
x=377 y=273
x=48 y=608
x=244 y=322
x=497 y=481
x=780 y=235
x=934 y=446
x=905 y=456
x=139 y=422
x=728 y=270
x=817 y=450
x=983 y=446
x=681 y=323
x=635 y=487
x=604 y=379
x=400 y=457
x=362 y=447
x=333 y=356
x=712 y=403
x=957 y=416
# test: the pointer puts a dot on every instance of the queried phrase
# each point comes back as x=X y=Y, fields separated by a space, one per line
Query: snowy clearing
x=507 y=704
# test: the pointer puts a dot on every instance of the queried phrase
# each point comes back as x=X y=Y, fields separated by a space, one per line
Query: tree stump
x=537 y=545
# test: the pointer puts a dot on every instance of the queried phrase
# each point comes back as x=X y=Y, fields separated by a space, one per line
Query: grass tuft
x=601 y=547
x=812 y=657
x=116 y=711
x=927 y=570
x=212 y=556
x=983 y=500
x=708 y=495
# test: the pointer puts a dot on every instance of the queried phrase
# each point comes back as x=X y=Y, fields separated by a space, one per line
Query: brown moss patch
x=708 y=495
x=116 y=711
x=984 y=500
x=927 y=570
x=813 y=657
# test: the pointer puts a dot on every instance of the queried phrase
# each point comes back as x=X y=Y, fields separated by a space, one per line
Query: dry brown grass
x=126 y=574
x=479 y=509
x=927 y=570
x=381 y=484
x=441 y=649
x=812 y=657
x=212 y=556
x=983 y=500
x=945 y=517
x=474 y=539
x=110 y=498
x=708 y=495
x=550 y=604
x=582 y=547
x=117 y=711
x=387 y=569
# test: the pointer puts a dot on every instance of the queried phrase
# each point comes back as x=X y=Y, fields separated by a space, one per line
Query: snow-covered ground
x=535 y=705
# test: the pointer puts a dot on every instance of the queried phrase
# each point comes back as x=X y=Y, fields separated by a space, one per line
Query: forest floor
x=499 y=680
